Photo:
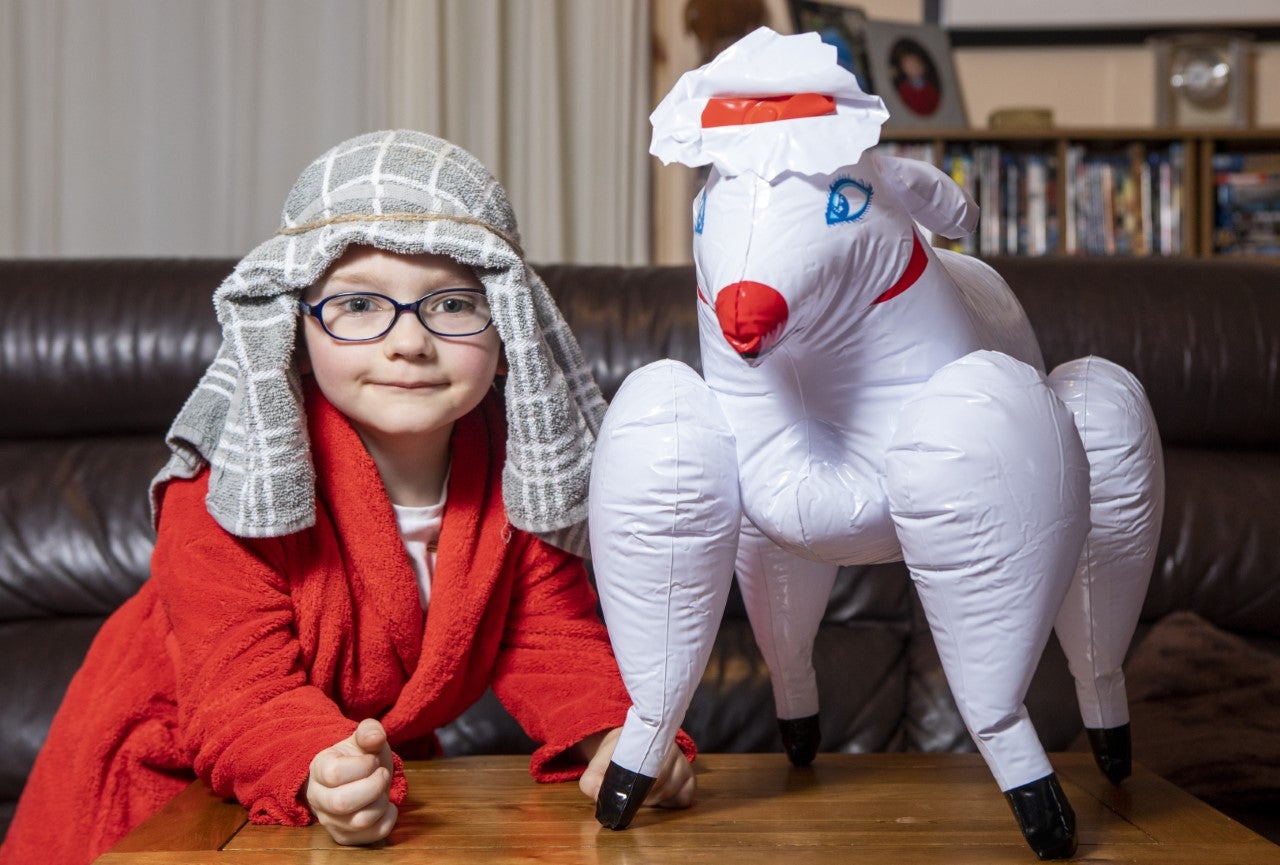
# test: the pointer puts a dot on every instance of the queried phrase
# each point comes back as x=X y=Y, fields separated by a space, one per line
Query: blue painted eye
x=848 y=201
x=702 y=213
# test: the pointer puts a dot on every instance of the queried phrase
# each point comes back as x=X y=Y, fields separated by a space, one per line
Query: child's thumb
x=370 y=737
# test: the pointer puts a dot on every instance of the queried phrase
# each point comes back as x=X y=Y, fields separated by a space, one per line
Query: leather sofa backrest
x=1202 y=335
x=96 y=357
x=94 y=329
x=103 y=347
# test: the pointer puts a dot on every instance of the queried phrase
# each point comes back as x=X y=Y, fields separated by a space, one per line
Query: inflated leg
x=664 y=517
x=786 y=596
x=1126 y=502
x=989 y=489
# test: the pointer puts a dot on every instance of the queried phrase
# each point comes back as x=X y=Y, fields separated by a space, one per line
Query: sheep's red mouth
x=751 y=316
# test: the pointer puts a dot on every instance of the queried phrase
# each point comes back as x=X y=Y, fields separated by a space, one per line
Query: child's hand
x=674 y=787
x=348 y=789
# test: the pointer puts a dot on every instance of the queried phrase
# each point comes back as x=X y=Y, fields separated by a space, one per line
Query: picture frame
x=912 y=70
x=841 y=26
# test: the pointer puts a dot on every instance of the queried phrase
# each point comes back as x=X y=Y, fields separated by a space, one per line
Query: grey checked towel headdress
x=406 y=192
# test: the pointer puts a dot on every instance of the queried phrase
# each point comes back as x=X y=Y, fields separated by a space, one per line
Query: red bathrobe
x=240 y=659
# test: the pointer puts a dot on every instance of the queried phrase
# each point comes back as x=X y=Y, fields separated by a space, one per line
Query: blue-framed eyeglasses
x=360 y=316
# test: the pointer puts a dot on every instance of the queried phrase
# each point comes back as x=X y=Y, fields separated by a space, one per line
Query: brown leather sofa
x=96 y=356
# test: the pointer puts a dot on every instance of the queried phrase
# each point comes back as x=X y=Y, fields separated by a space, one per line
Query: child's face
x=410 y=382
x=912 y=65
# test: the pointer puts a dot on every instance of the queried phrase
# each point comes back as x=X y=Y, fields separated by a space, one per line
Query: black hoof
x=1045 y=817
x=800 y=738
x=621 y=794
x=1112 y=751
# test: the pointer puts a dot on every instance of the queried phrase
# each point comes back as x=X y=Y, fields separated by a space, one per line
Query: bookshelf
x=1183 y=192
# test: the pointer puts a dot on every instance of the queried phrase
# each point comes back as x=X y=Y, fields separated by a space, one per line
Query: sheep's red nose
x=749 y=314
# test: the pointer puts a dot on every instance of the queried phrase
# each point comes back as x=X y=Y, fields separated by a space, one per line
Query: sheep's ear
x=931 y=197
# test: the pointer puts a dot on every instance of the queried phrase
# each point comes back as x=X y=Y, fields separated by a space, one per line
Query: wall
x=1104 y=85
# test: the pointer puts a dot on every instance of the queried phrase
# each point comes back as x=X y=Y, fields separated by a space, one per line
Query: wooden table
x=895 y=809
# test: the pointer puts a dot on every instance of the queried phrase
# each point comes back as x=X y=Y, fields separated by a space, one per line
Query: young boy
x=353 y=543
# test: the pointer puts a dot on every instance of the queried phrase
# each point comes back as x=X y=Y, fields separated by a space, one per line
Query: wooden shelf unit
x=1198 y=147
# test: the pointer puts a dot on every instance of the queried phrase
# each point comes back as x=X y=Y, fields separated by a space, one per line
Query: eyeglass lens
x=452 y=312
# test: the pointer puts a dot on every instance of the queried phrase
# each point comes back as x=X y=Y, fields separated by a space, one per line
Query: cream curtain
x=175 y=127
x=552 y=95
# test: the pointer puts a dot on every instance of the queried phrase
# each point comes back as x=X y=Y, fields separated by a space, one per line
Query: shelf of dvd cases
x=1111 y=191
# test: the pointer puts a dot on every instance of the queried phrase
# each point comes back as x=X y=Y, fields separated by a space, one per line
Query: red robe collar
x=473 y=548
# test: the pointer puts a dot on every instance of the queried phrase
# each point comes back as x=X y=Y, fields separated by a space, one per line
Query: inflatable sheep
x=864 y=398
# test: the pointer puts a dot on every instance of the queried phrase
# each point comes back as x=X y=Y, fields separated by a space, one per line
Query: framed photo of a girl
x=911 y=65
